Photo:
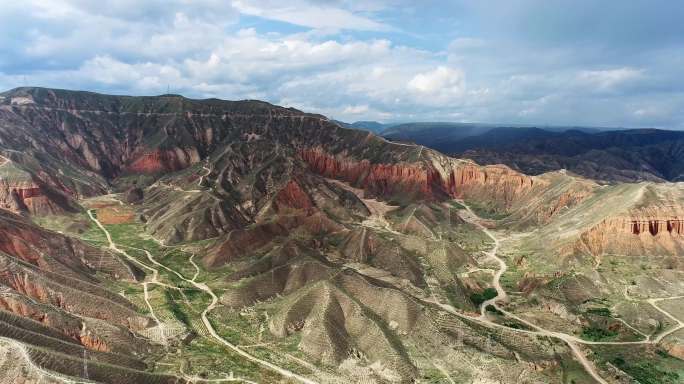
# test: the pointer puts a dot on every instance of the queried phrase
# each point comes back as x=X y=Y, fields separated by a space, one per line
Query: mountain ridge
x=306 y=230
x=614 y=155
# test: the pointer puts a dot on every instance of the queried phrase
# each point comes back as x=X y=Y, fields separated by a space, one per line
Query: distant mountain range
x=372 y=126
x=448 y=130
x=605 y=154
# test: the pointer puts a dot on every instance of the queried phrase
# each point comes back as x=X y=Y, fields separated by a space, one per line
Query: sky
x=612 y=63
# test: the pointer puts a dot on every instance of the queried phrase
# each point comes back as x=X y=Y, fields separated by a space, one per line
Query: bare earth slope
x=265 y=243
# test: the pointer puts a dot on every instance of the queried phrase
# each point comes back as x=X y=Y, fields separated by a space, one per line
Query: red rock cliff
x=26 y=197
x=456 y=179
x=636 y=235
x=159 y=161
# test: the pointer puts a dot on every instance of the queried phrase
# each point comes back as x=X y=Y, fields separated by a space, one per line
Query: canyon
x=284 y=246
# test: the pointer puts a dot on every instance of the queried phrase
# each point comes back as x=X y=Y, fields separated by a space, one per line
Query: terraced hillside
x=215 y=240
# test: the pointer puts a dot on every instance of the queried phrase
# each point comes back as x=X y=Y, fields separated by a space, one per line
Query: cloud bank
x=606 y=63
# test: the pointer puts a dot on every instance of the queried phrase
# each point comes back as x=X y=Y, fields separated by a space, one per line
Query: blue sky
x=574 y=62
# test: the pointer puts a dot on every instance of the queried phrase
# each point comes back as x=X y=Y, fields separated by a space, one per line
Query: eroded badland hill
x=163 y=239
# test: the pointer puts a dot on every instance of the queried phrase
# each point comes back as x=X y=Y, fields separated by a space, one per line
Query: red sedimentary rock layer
x=163 y=161
x=642 y=226
x=27 y=197
x=93 y=343
x=33 y=289
x=243 y=242
x=293 y=196
x=27 y=193
x=383 y=179
x=22 y=196
x=495 y=182
x=18 y=243
x=456 y=180
x=656 y=226
x=60 y=323
x=240 y=243
x=635 y=235
x=647 y=226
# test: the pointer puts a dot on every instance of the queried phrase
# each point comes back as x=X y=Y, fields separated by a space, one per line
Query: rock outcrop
x=438 y=177
x=293 y=196
x=163 y=161
x=20 y=194
x=655 y=226
x=636 y=235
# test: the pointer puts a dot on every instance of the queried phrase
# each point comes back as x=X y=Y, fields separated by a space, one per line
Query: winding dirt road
x=145 y=284
x=572 y=341
x=205 y=314
x=496 y=279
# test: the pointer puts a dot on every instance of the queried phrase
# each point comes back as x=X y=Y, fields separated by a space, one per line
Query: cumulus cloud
x=379 y=59
x=441 y=80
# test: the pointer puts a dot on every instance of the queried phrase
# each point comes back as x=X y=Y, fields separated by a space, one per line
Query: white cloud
x=204 y=48
x=309 y=15
x=610 y=78
x=145 y=76
x=442 y=81
x=355 y=109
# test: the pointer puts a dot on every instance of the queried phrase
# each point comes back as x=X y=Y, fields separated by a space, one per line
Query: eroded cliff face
x=436 y=178
x=50 y=278
x=26 y=197
x=56 y=253
x=379 y=179
x=64 y=324
x=654 y=226
x=636 y=235
x=496 y=182
x=163 y=161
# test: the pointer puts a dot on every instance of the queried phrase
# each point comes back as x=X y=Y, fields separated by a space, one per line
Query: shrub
x=479 y=298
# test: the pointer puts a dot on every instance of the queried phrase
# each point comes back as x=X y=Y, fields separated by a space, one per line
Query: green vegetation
x=492 y=309
x=176 y=308
x=646 y=372
x=600 y=311
x=487 y=212
x=479 y=298
x=432 y=376
x=456 y=205
x=515 y=324
x=597 y=334
x=202 y=356
x=645 y=364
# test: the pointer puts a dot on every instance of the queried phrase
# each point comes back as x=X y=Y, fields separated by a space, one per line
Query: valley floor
x=214 y=345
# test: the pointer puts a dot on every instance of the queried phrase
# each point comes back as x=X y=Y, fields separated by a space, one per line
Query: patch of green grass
x=573 y=372
x=432 y=375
